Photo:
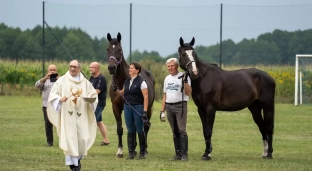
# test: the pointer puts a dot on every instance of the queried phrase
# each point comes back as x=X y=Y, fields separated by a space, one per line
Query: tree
x=153 y=55
x=252 y=52
x=300 y=43
x=77 y=46
x=9 y=35
x=281 y=39
x=99 y=48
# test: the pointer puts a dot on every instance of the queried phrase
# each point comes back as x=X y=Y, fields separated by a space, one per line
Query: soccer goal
x=303 y=79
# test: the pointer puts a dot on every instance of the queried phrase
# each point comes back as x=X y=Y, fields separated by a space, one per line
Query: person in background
x=45 y=84
x=73 y=115
x=99 y=83
x=176 y=108
x=135 y=109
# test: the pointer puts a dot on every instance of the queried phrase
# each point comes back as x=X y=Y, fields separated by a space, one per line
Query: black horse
x=119 y=69
x=214 y=89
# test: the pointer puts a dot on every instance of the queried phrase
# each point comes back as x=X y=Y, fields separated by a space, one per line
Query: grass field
x=237 y=143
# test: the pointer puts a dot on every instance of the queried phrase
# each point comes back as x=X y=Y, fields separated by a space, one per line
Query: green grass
x=237 y=143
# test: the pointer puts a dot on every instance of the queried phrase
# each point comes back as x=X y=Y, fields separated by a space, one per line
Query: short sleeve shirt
x=99 y=83
x=172 y=88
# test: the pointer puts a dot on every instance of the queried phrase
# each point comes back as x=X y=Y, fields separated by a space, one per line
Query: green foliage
x=278 y=47
x=307 y=86
x=25 y=73
x=22 y=73
x=137 y=56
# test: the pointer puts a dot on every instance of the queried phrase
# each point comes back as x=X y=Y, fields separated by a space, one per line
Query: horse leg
x=255 y=109
x=147 y=127
x=207 y=123
x=268 y=113
x=118 y=119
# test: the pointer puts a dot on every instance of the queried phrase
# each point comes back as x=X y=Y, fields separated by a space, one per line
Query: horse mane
x=190 y=47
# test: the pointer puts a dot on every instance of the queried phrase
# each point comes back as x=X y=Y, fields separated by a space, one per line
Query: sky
x=26 y=14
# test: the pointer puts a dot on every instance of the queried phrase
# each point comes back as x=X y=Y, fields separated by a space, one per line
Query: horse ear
x=192 y=42
x=109 y=38
x=118 y=37
x=181 y=41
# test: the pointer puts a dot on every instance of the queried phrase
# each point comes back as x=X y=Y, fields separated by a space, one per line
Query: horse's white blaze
x=113 y=46
x=191 y=58
x=265 y=148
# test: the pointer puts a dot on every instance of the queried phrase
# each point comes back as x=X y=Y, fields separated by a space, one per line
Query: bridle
x=117 y=62
x=188 y=63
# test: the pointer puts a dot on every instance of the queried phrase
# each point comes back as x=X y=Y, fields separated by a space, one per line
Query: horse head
x=187 y=57
x=114 y=53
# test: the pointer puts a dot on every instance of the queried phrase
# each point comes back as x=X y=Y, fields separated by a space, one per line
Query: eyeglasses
x=72 y=66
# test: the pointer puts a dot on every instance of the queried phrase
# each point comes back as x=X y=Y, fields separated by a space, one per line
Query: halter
x=190 y=60
x=117 y=62
x=189 y=63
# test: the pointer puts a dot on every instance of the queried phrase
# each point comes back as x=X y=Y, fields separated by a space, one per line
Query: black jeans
x=48 y=126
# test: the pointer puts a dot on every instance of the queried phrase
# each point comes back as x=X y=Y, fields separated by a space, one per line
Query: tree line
x=276 y=48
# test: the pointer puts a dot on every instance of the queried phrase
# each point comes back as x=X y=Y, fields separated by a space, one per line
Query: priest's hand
x=63 y=99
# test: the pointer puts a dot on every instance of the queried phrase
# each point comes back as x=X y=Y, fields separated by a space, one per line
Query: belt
x=175 y=103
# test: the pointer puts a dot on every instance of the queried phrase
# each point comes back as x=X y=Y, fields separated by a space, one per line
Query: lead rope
x=182 y=88
x=146 y=121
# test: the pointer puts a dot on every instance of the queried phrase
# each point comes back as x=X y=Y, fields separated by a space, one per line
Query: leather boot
x=130 y=137
x=142 y=142
x=184 y=148
x=176 y=141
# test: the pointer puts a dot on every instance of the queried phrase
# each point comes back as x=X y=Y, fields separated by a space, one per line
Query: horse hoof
x=206 y=157
x=119 y=155
x=267 y=157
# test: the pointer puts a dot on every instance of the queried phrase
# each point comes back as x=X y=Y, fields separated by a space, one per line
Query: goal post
x=303 y=65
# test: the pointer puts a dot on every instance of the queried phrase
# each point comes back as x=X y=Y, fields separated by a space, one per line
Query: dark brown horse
x=214 y=89
x=119 y=69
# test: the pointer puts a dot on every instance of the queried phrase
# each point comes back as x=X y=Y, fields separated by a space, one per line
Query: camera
x=53 y=77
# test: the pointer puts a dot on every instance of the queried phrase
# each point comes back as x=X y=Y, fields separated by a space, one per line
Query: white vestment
x=74 y=119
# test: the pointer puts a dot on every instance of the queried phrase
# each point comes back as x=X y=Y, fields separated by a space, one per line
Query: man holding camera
x=177 y=88
x=45 y=85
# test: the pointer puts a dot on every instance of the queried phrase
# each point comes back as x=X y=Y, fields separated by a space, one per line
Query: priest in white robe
x=72 y=116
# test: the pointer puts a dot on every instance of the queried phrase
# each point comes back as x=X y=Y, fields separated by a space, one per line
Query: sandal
x=104 y=143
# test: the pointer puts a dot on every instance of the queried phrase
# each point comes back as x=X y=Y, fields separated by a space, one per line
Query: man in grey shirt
x=45 y=84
